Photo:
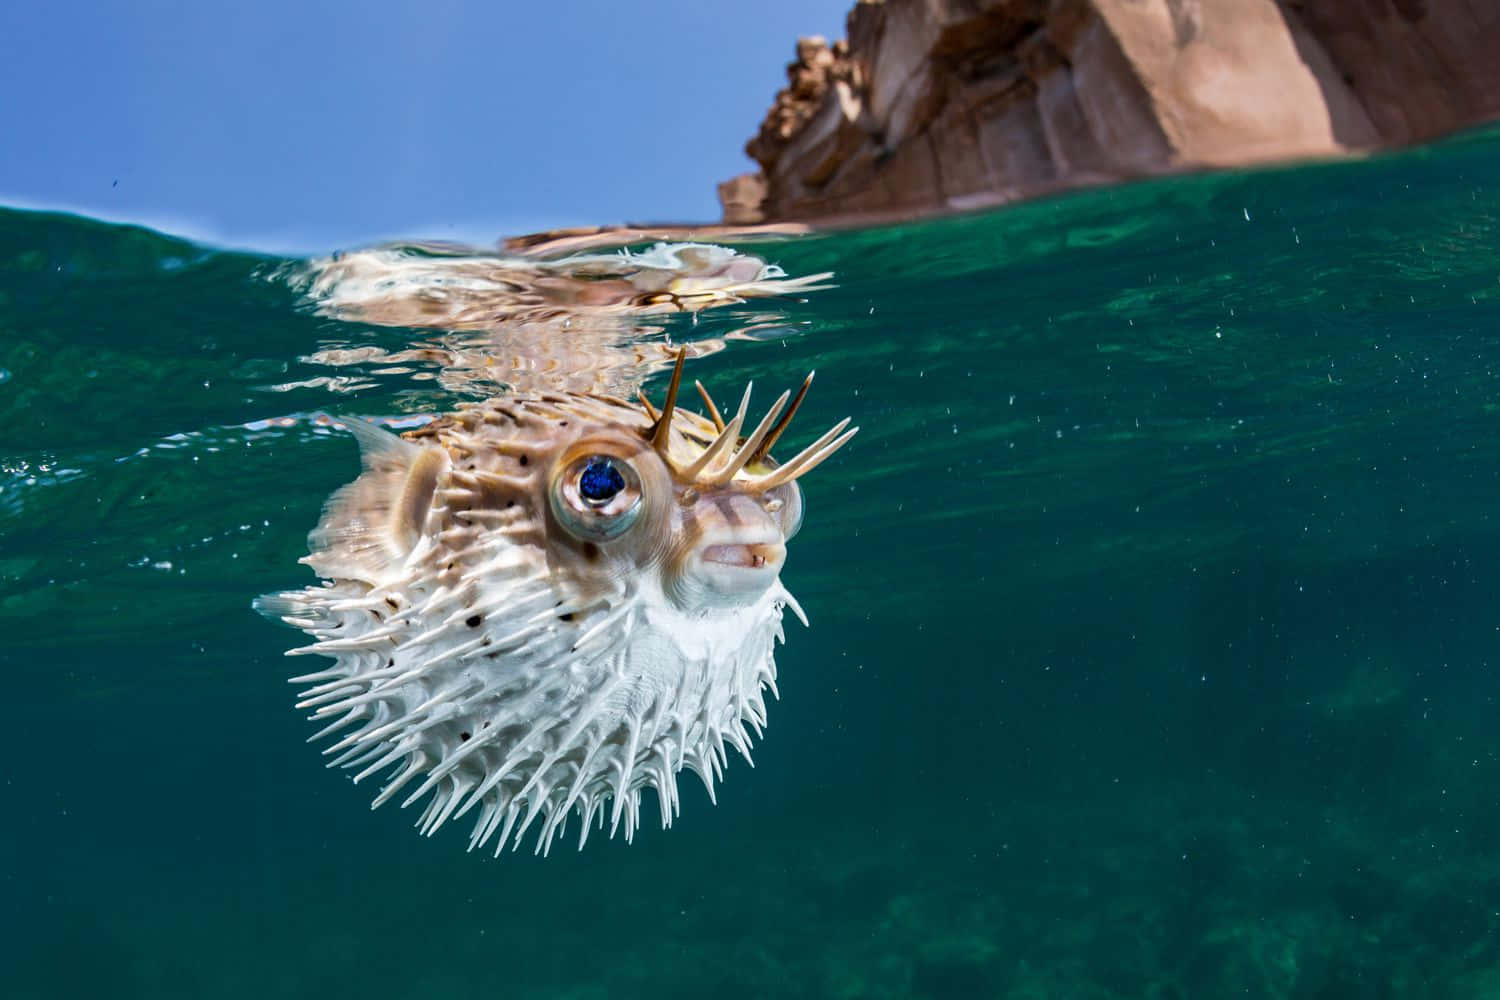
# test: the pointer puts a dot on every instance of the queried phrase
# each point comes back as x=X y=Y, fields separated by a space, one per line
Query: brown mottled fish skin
x=518 y=650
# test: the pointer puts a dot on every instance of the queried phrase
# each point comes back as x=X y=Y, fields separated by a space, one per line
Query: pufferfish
x=543 y=604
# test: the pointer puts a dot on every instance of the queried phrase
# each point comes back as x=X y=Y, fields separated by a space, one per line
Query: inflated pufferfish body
x=546 y=603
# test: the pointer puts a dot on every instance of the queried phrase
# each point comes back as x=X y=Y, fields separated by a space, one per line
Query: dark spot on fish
x=464 y=737
x=525 y=460
x=375 y=614
x=391 y=662
x=473 y=621
x=486 y=723
x=391 y=601
x=590 y=551
x=567 y=617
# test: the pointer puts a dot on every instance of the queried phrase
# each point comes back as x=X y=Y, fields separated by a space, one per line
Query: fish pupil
x=600 y=482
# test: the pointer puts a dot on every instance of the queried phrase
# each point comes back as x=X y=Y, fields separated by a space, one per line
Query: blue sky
x=302 y=126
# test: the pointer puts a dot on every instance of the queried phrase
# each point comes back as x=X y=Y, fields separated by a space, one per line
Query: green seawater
x=1154 y=626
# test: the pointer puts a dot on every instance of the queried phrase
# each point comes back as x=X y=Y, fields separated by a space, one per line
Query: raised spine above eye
x=727 y=455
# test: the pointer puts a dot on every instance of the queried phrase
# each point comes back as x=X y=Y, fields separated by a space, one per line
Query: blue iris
x=601 y=481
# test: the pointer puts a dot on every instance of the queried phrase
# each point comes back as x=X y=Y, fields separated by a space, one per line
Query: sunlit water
x=1153 y=623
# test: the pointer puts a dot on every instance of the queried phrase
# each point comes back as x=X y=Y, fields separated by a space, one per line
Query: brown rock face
x=935 y=105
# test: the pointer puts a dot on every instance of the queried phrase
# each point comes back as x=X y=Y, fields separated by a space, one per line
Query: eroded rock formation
x=947 y=104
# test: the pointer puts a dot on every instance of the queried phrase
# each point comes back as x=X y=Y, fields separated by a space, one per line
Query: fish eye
x=597 y=497
x=600 y=482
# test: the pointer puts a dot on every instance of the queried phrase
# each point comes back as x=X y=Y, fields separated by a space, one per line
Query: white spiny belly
x=520 y=723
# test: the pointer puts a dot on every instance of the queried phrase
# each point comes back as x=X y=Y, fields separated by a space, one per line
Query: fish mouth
x=745 y=556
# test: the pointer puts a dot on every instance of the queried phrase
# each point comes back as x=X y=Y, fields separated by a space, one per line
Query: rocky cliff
x=933 y=105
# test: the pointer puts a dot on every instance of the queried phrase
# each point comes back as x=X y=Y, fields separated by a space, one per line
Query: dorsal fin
x=376 y=444
x=370 y=526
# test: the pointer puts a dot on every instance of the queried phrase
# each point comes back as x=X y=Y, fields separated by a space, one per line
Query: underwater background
x=1153 y=647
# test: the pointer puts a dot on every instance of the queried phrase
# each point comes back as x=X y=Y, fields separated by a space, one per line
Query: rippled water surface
x=1153 y=615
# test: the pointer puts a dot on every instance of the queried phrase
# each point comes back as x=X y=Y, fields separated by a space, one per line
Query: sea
x=1154 y=646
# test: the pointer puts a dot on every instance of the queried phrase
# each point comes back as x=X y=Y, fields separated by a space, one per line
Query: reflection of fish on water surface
x=550 y=600
x=517 y=323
